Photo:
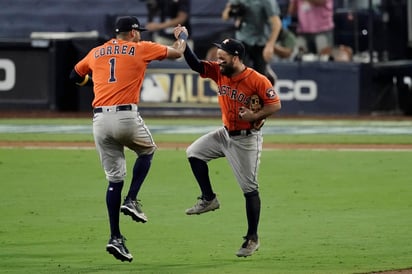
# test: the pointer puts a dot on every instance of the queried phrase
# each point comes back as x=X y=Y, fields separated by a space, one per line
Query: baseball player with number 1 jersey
x=246 y=98
x=117 y=68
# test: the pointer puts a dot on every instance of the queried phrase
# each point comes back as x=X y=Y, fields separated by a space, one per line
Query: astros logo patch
x=271 y=93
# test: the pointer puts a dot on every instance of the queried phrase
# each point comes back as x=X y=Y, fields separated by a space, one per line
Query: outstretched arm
x=176 y=50
x=192 y=60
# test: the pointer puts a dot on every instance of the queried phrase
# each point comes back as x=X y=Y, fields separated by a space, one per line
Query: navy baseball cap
x=127 y=23
x=232 y=46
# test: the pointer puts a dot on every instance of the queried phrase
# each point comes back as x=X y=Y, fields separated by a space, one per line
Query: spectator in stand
x=314 y=24
x=258 y=25
x=169 y=14
x=284 y=50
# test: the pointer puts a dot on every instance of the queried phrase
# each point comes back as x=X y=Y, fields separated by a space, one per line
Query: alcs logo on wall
x=7 y=74
x=185 y=86
x=177 y=86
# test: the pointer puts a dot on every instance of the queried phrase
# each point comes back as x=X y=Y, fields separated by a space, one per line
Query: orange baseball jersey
x=118 y=68
x=235 y=92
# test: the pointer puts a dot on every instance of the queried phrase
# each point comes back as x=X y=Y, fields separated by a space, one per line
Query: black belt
x=243 y=132
x=118 y=108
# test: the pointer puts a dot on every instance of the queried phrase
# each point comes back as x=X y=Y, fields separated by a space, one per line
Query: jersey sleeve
x=212 y=70
x=153 y=51
x=83 y=67
x=267 y=92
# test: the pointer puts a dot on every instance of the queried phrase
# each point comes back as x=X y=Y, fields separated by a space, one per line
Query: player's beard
x=227 y=69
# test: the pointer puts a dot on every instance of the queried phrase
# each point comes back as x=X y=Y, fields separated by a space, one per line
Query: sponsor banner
x=305 y=88
x=319 y=87
x=29 y=77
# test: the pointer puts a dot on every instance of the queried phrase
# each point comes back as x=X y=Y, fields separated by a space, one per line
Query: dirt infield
x=400 y=271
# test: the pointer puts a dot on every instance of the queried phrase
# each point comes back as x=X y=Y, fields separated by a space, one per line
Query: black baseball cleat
x=133 y=209
x=118 y=249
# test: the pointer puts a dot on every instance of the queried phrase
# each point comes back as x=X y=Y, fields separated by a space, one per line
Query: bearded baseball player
x=118 y=67
x=246 y=99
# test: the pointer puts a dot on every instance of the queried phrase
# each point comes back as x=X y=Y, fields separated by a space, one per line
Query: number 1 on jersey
x=112 y=63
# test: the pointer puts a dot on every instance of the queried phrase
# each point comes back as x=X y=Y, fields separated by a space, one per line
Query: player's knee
x=251 y=193
x=193 y=160
x=147 y=157
x=147 y=151
x=115 y=177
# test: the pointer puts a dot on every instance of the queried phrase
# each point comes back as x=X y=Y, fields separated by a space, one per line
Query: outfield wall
x=34 y=75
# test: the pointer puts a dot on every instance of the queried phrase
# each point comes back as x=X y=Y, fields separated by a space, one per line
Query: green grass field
x=323 y=211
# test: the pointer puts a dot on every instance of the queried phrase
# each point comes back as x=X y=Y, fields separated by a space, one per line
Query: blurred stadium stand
x=19 y=18
x=367 y=26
